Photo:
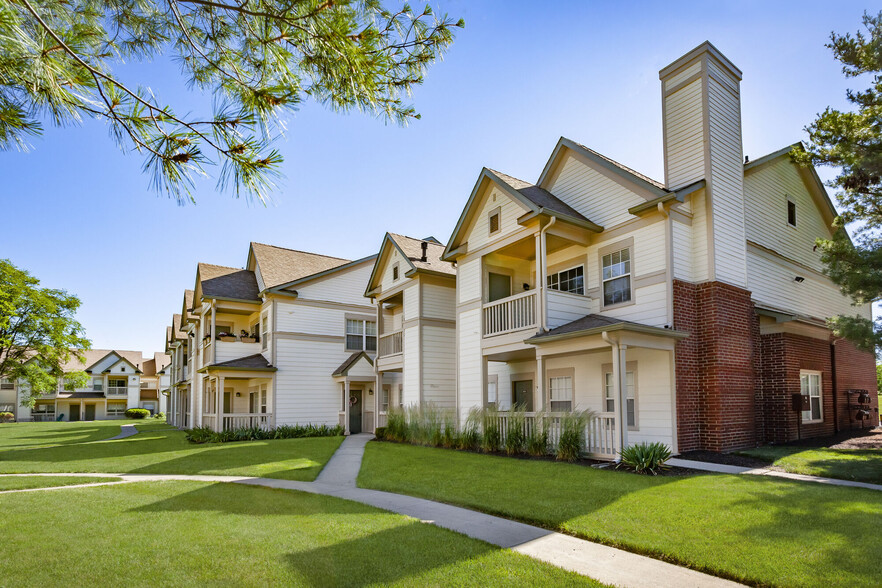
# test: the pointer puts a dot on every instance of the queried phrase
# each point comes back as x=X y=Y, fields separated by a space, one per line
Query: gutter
x=543 y=318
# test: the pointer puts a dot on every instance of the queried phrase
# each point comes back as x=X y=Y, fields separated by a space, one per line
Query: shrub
x=515 y=435
x=572 y=434
x=491 y=437
x=396 y=425
x=380 y=432
x=646 y=458
x=6 y=417
x=137 y=413
x=206 y=435
x=159 y=415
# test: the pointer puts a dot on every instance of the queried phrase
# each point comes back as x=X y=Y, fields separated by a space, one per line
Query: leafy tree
x=852 y=142
x=259 y=58
x=38 y=333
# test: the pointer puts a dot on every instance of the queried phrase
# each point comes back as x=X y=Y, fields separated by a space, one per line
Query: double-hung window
x=492 y=389
x=810 y=385
x=264 y=331
x=616 y=277
x=6 y=384
x=361 y=335
x=561 y=392
x=384 y=399
x=609 y=396
x=571 y=280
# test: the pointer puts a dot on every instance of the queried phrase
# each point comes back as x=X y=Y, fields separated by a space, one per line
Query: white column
x=82 y=410
x=540 y=373
x=620 y=364
x=484 y=391
x=213 y=330
x=220 y=404
x=346 y=407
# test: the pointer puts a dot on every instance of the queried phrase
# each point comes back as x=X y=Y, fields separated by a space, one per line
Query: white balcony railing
x=510 y=314
x=600 y=432
x=391 y=344
x=247 y=420
x=117 y=391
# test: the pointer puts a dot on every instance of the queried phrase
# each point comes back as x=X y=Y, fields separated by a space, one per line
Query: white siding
x=682 y=75
x=439 y=301
x=412 y=301
x=471 y=390
x=593 y=194
x=468 y=281
x=478 y=234
x=700 y=251
x=305 y=392
x=684 y=136
x=346 y=286
x=412 y=366
x=564 y=307
x=439 y=366
x=304 y=318
x=683 y=251
x=651 y=307
x=387 y=271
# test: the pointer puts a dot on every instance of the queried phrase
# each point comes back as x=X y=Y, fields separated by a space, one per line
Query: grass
x=25 y=482
x=861 y=465
x=194 y=534
x=157 y=449
x=755 y=529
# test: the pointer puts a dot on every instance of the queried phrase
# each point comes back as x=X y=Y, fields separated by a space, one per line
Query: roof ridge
x=301 y=251
x=238 y=269
x=416 y=239
x=631 y=170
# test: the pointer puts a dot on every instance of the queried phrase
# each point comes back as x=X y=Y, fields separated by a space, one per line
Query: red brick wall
x=854 y=370
x=715 y=367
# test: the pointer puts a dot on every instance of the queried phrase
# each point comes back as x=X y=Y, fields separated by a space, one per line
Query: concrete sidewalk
x=729 y=469
x=125 y=431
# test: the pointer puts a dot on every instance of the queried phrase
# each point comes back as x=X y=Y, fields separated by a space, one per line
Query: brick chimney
x=701 y=110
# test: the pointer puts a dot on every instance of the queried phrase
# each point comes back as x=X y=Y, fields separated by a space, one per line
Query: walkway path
x=125 y=431
x=730 y=469
x=603 y=563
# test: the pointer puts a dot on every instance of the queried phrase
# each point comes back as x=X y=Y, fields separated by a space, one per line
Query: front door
x=355 y=411
x=90 y=412
x=74 y=412
x=522 y=394
x=500 y=286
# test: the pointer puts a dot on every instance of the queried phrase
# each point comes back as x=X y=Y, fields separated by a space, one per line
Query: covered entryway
x=356 y=410
x=357 y=381
x=238 y=394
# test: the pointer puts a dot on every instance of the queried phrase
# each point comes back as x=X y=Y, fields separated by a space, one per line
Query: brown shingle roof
x=155 y=364
x=179 y=334
x=219 y=281
x=188 y=304
x=256 y=362
x=92 y=356
x=625 y=168
x=412 y=248
x=539 y=196
x=278 y=265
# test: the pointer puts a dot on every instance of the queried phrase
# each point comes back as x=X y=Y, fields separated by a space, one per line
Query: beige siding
x=412 y=301
x=411 y=366
x=727 y=175
x=766 y=191
x=346 y=286
x=593 y=194
x=439 y=301
x=684 y=134
x=479 y=232
x=439 y=366
x=682 y=76
x=469 y=370
x=387 y=271
x=564 y=307
x=468 y=281
x=651 y=307
x=772 y=283
x=700 y=251
x=304 y=318
x=305 y=392
x=683 y=251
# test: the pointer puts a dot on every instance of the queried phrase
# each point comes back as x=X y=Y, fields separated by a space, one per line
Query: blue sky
x=78 y=213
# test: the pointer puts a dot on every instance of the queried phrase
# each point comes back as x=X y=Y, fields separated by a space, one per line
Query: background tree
x=38 y=333
x=852 y=142
x=259 y=58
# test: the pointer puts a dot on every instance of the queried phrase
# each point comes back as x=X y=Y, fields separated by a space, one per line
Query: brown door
x=522 y=394
x=90 y=413
x=74 y=412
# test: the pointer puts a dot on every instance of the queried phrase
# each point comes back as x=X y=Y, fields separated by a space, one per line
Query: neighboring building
x=416 y=360
x=275 y=343
x=118 y=380
x=691 y=310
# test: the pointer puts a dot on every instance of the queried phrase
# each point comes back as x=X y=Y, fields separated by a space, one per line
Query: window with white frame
x=384 y=399
x=571 y=280
x=43 y=408
x=264 y=330
x=492 y=389
x=791 y=212
x=263 y=398
x=6 y=384
x=810 y=385
x=361 y=335
x=98 y=384
x=560 y=392
x=116 y=408
x=609 y=393
x=400 y=396
x=616 y=277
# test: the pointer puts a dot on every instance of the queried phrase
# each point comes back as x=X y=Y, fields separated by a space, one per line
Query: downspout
x=619 y=392
x=835 y=395
x=669 y=265
x=541 y=277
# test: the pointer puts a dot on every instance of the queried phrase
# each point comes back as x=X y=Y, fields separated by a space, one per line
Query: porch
x=234 y=399
x=357 y=380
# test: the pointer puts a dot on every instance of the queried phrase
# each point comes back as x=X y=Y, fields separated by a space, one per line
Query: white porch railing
x=208 y=420
x=43 y=417
x=600 y=432
x=382 y=419
x=247 y=420
x=391 y=344
x=117 y=391
x=367 y=424
x=510 y=314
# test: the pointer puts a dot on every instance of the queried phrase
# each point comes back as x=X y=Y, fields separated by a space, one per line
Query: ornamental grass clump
x=449 y=437
x=207 y=435
x=491 y=435
x=646 y=458
x=470 y=437
x=515 y=433
x=536 y=443
x=572 y=434
x=396 y=425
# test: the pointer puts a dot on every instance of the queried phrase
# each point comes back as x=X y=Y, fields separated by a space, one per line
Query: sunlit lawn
x=862 y=465
x=197 y=534
x=25 y=482
x=753 y=528
x=157 y=449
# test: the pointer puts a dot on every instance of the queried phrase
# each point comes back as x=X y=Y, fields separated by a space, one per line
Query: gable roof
x=94 y=356
x=596 y=323
x=155 y=365
x=256 y=362
x=218 y=281
x=619 y=169
x=534 y=199
x=278 y=265
x=412 y=251
x=177 y=332
x=350 y=362
x=187 y=309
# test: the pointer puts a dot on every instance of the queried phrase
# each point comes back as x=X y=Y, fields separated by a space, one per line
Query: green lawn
x=862 y=465
x=195 y=534
x=757 y=529
x=25 y=482
x=157 y=449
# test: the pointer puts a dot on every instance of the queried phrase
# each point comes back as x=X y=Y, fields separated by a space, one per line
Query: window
x=6 y=384
x=791 y=213
x=116 y=408
x=561 y=388
x=616 y=277
x=394 y=272
x=97 y=384
x=264 y=330
x=400 y=396
x=571 y=280
x=492 y=389
x=361 y=335
x=494 y=220
x=384 y=399
x=609 y=404
x=44 y=408
x=810 y=385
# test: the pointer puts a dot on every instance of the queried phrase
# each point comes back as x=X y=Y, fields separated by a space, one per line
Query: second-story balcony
x=510 y=314
x=229 y=350
x=391 y=344
x=116 y=391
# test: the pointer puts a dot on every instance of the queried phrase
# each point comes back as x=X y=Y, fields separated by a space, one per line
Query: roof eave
x=679 y=196
x=348 y=265
x=646 y=330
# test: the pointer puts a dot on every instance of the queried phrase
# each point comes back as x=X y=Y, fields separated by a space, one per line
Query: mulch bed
x=724 y=459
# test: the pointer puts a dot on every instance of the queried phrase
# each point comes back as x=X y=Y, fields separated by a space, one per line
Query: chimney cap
x=706 y=47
